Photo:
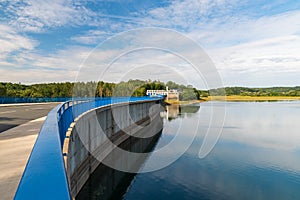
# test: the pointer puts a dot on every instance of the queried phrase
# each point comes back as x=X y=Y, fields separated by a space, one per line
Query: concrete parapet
x=95 y=134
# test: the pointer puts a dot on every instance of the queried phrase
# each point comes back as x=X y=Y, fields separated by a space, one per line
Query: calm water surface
x=256 y=157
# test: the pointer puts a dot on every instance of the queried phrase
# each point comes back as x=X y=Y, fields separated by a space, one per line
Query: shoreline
x=184 y=103
x=236 y=99
x=253 y=98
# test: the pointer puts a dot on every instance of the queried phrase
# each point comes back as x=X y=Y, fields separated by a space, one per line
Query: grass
x=253 y=98
x=236 y=98
x=175 y=102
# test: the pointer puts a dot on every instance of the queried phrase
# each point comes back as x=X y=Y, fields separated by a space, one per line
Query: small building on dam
x=170 y=94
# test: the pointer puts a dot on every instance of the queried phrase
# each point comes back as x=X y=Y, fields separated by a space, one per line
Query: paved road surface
x=14 y=115
x=16 y=143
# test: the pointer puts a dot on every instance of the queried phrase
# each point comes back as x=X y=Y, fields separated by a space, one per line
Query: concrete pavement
x=12 y=115
x=16 y=143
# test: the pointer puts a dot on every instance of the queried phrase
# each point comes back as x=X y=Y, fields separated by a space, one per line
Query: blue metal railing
x=45 y=176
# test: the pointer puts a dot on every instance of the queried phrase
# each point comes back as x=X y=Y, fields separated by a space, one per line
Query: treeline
x=132 y=88
x=37 y=90
x=81 y=89
x=270 y=91
x=96 y=89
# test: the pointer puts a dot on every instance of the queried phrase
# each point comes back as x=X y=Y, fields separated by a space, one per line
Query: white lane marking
x=36 y=108
x=39 y=119
x=33 y=130
x=5 y=112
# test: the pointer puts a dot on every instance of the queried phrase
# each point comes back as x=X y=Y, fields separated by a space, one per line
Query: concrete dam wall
x=102 y=135
x=106 y=183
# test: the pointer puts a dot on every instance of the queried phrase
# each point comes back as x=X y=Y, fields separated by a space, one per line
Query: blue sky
x=251 y=42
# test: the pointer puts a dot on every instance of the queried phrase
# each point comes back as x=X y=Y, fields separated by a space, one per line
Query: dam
x=79 y=136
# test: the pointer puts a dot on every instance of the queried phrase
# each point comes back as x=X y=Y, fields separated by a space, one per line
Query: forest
x=132 y=88
x=256 y=92
x=95 y=89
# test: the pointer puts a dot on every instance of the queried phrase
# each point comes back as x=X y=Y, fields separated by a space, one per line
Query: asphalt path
x=14 y=115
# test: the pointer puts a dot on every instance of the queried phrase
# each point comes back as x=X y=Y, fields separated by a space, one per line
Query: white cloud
x=63 y=61
x=242 y=29
x=12 y=44
x=245 y=49
x=20 y=61
x=29 y=67
x=12 y=41
x=188 y=13
x=182 y=15
x=280 y=53
x=91 y=37
x=30 y=76
x=239 y=44
x=266 y=62
x=36 y=15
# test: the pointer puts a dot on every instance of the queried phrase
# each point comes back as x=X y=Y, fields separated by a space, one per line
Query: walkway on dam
x=16 y=143
x=12 y=115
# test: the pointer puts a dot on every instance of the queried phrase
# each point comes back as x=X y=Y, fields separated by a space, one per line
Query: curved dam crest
x=97 y=136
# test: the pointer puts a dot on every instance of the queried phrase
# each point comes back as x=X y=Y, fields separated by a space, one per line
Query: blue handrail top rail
x=44 y=176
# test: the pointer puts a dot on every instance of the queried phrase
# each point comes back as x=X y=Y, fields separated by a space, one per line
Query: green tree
x=2 y=91
x=188 y=94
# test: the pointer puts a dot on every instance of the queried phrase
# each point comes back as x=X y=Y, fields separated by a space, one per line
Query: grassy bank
x=253 y=98
x=236 y=98
x=174 y=102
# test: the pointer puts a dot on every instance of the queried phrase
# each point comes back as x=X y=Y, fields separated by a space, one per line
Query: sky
x=254 y=43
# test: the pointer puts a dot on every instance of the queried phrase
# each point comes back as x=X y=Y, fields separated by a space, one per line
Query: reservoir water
x=256 y=157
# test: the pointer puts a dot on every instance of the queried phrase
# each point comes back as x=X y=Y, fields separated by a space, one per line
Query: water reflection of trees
x=175 y=111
